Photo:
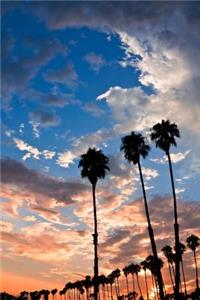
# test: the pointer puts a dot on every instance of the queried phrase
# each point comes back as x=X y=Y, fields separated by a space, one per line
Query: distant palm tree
x=131 y=270
x=144 y=265
x=168 y=252
x=164 y=135
x=193 y=242
x=88 y=284
x=53 y=292
x=111 y=281
x=134 y=146
x=126 y=272
x=116 y=274
x=137 y=269
x=94 y=165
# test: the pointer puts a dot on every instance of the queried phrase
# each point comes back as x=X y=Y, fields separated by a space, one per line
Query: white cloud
x=175 y=157
x=32 y=152
x=48 y=154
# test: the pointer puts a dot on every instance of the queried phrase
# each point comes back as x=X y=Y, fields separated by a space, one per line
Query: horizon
x=78 y=75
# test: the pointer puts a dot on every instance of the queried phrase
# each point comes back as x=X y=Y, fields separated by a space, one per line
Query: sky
x=84 y=74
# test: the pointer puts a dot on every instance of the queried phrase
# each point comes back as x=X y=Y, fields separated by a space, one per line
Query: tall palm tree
x=168 y=252
x=193 y=242
x=164 y=135
x=94 y=165
x=134 y=146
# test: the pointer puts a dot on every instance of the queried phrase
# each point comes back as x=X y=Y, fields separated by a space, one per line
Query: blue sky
x=78 y=75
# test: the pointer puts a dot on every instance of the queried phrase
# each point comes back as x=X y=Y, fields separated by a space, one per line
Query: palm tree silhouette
x=144 y=265
x=53 y=292
x=168 y=252
x=134 y=146
x=116 y=275
x=110 y=282
x=94 y=165
x=88 y=284
x=126 y=272
x=131 y=270
x=137 y=269
x=193 y=242
x=164 y=135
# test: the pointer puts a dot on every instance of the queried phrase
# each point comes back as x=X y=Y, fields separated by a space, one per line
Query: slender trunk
x=138 y=283
x=95 y=240
x=170 y=274
x=184 y=278
x=104 y=292
x=196 y=268
x=118 y=286
x=127 y=287
x=133 y=282
x=176 y=232
x=145 y=277
x=134 y=296
x=111 y=293
x=108 y=291
x=116 y=290
x=151 y=235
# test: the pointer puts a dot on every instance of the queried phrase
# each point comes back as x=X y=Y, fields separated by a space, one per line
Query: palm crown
x=94 y=165
x=133 y=146
x=164 y=134
x=193 y=242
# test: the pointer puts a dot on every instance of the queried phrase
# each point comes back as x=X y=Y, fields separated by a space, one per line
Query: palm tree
x=111 y=281
x=116 y=275
x=126 y=272
x=88 y=284
x=164 y=135
x=137 y=269
x=134 y=146
x=168 y=252
x=131 y=270
x=193 y=242
x=94 y=165
x=53 y=292
x=144 y=265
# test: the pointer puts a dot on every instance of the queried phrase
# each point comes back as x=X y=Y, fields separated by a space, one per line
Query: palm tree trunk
x=107 y=287
x=145 y=277
x=134 y=297
x=127 y=287
x=176 y=232
x=151 y=235
x=95 y=240
x=170 y=274
x=196 y=268
x=138 y=283
x=111 y=292
x=118 y=286
x=184 y=278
